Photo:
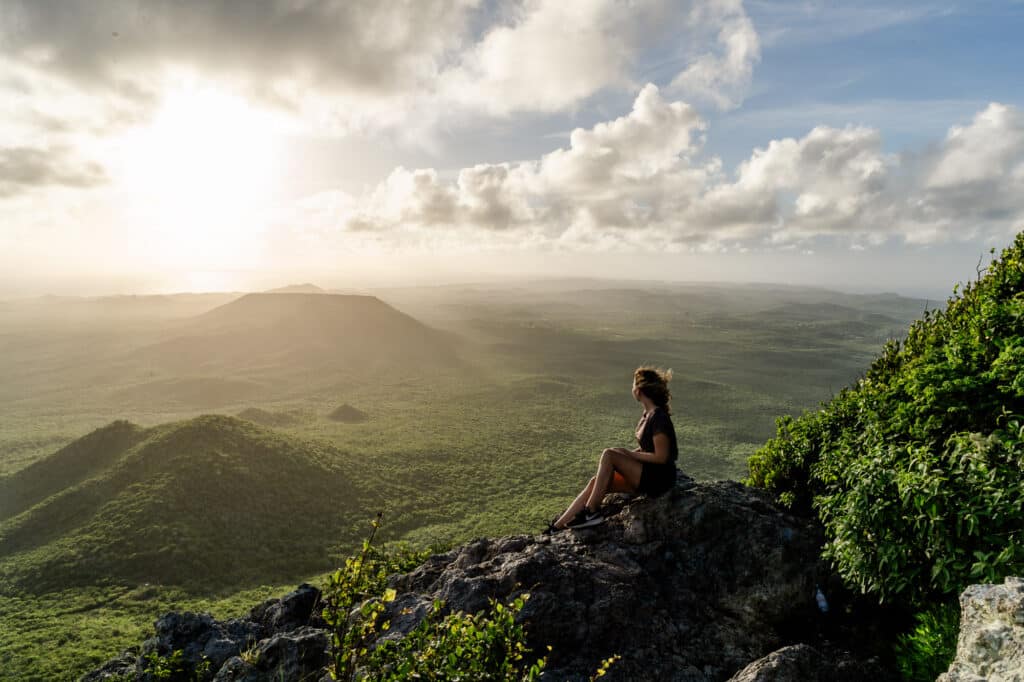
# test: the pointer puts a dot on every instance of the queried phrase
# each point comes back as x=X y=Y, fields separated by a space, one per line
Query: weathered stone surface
x=803 y=663
x=693 y=585
x=293 y=610
x=688 y=587
x=991 y=643
x=797 y=663
x=115 y=669
x=280 y=640
x=198 y=636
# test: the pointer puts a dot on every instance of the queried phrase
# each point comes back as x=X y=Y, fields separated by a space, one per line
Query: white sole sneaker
x=597 y=520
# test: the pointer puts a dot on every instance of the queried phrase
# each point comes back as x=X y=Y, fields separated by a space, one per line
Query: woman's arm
x=660 y=454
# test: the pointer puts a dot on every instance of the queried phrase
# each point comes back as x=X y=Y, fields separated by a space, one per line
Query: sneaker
x=551 y=529
x=585 y=519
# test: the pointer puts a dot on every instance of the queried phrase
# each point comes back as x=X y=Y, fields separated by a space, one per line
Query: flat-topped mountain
x=306 y=288
x=213 y=499
x=302 y=330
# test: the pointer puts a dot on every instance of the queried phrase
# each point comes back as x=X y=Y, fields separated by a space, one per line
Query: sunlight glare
x=204 y=170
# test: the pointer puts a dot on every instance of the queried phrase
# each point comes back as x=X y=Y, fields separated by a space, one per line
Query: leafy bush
x=915 y=470
x=354 y=599
x=489 y=645
x=926 y=652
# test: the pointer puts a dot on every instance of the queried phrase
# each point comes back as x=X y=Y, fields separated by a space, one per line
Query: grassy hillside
x=211 y=501
x=493 y=444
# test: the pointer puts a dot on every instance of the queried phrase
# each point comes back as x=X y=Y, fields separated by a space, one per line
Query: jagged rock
x=293 y=610
x=200 y=638
x=693 y=585
x=299 y=654
x=803 y=663
x=119 y=668
x=797 y=663
x=689 y=587
x=991 y=643
x=282 y=639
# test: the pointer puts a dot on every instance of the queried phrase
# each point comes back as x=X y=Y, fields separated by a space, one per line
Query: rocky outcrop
x=692 y=586
x=282 y=639
x=991 y=643
x=803 y=663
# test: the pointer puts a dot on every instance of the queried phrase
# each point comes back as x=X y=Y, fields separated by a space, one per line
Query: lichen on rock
x=991 y=642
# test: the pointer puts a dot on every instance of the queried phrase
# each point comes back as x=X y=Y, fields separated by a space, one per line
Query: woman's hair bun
x=653 y=382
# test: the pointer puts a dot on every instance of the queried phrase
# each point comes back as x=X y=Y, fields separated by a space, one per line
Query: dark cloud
x=26 y=168
x=356 y=44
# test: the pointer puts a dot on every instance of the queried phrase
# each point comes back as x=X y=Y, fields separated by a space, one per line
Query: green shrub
x=489 y=645
x=354 y=599
x=926 y=651
x=909 y=521
x=175 y=668
x=916 y=469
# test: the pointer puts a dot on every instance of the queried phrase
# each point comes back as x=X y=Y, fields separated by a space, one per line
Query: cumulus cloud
x=642 y=179
x=551 y=55
x=364 y=64
x=615 y=176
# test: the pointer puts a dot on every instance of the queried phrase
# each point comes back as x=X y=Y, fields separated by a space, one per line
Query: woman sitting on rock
x=650 y=468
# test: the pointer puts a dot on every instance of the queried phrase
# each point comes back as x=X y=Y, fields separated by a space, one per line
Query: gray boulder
x=281 y=639
x=991 y=643
x=803 y=663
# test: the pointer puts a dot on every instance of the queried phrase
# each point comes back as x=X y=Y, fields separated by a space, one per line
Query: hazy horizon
x=149 y=146
x=96 y=291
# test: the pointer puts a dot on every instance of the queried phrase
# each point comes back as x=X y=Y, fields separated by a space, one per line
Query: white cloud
x=552 y=55
x=642 y=180
x=362 y=65
x=722 y=76
x=985 y=151
x=612 y=177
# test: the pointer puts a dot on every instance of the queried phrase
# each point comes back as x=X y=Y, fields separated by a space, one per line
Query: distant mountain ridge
x=306 y=288
x=317 y=331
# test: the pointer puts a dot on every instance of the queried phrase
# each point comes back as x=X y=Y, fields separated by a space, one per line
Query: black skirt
x=657 y=479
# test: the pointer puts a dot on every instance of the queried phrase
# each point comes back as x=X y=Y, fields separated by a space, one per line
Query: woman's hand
x=659 y=456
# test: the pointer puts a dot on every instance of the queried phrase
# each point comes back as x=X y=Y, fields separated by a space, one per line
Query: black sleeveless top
x=657 y=422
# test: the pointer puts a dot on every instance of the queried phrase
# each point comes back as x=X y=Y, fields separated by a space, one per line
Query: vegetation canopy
x=915 y=470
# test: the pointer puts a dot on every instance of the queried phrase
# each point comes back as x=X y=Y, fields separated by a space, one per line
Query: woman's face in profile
x=636 y=392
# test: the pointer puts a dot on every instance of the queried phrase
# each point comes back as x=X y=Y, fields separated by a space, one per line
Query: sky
x=176 y=145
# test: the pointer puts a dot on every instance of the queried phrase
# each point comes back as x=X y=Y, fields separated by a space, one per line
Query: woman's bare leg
x=613 y=460
x=576 y=505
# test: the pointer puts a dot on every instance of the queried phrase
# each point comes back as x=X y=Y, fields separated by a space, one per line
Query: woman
x=650 y=468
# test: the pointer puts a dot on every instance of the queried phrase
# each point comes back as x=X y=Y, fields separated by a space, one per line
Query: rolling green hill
x=213 y=501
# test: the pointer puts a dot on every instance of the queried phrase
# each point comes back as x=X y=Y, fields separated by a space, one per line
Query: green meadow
x=189 y=451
